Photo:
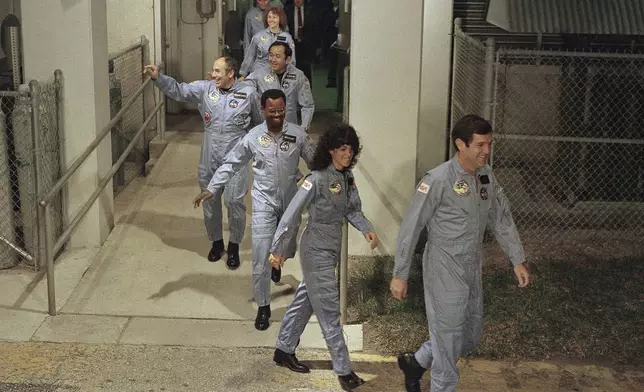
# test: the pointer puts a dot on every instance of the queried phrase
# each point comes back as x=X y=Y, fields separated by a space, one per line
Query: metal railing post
x=49 y=258
x=145 y=59
x=162 y=114
x=344 y=254
x=488 y=86
x=36 y=157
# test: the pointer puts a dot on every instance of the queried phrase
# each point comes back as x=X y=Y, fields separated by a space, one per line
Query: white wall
x=79 y=49
x=384 y=99
x=434 y=92
x=127 y=21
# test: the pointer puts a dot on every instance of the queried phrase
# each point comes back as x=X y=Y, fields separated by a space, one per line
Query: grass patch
x=588 y=309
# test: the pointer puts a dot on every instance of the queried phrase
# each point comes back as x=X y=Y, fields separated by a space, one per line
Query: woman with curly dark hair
x=330 y=194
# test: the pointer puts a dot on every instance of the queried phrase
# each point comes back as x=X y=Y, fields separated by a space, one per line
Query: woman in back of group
x=256 y=55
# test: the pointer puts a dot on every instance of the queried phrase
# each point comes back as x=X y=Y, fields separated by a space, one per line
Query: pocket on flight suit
x=327 y=289
x=450 y=309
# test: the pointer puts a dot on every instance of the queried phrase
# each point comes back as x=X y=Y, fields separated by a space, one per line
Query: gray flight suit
x=256 y=54
x=254 y=23
x=456 y=208
x=295 y=86
x=275 y=167
x=330 y=196
x=227 y=115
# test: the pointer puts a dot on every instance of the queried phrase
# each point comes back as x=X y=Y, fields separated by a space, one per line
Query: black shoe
x=350 y=381
x=263 y=314
x=289 y=361
x=413 y=371
x=276 y=274
x=233 y=256
x=216 y=251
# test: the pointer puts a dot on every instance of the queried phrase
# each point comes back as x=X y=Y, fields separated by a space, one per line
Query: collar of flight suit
x=333 y=169
x=457 y=165
x=268 y=30
x=275 y=136
x=236 y=86
x=461 y=172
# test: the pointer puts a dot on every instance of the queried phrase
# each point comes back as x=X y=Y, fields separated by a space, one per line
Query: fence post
x=36 y=155
x=488 y=87
x=488 y=92
x=145 y=60
x=60 y=126
x=49 y=258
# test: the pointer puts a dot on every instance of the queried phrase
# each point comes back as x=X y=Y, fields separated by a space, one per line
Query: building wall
x=79 y=50
x=127 y=21
x=383 y=107
x=431 y=149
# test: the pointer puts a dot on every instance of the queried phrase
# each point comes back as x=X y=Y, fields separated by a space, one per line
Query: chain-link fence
x=126 y=76
x=468 y=78
x=568 y=145
x=30 y=163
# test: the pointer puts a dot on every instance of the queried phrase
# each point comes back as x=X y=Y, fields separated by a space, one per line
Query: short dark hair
x=336 y=136
x=272 y=94
x=231 y=63
x=287 y=49
x=467 y=126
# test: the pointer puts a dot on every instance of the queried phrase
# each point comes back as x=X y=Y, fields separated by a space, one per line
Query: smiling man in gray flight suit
x=229 y=109
x=456 y=201
x=275 y=147
x=281 y=74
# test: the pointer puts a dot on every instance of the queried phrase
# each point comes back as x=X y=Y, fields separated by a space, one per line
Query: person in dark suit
x=303 y=23
x=329 y=22
x=233 y=36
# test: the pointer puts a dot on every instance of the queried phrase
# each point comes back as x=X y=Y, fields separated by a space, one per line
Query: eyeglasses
x=276 y=111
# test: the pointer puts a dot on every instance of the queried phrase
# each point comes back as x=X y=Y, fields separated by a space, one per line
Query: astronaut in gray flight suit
x=254 y=20
x=456 y=201
x=275 y=147
x=256 y=54
x=330 y=194
x=280 y=74
x=229 y=109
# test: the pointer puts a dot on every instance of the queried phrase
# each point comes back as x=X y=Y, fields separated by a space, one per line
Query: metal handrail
x=64 y=237
x=51 y=246
x=90 y=149
x=125 y=51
